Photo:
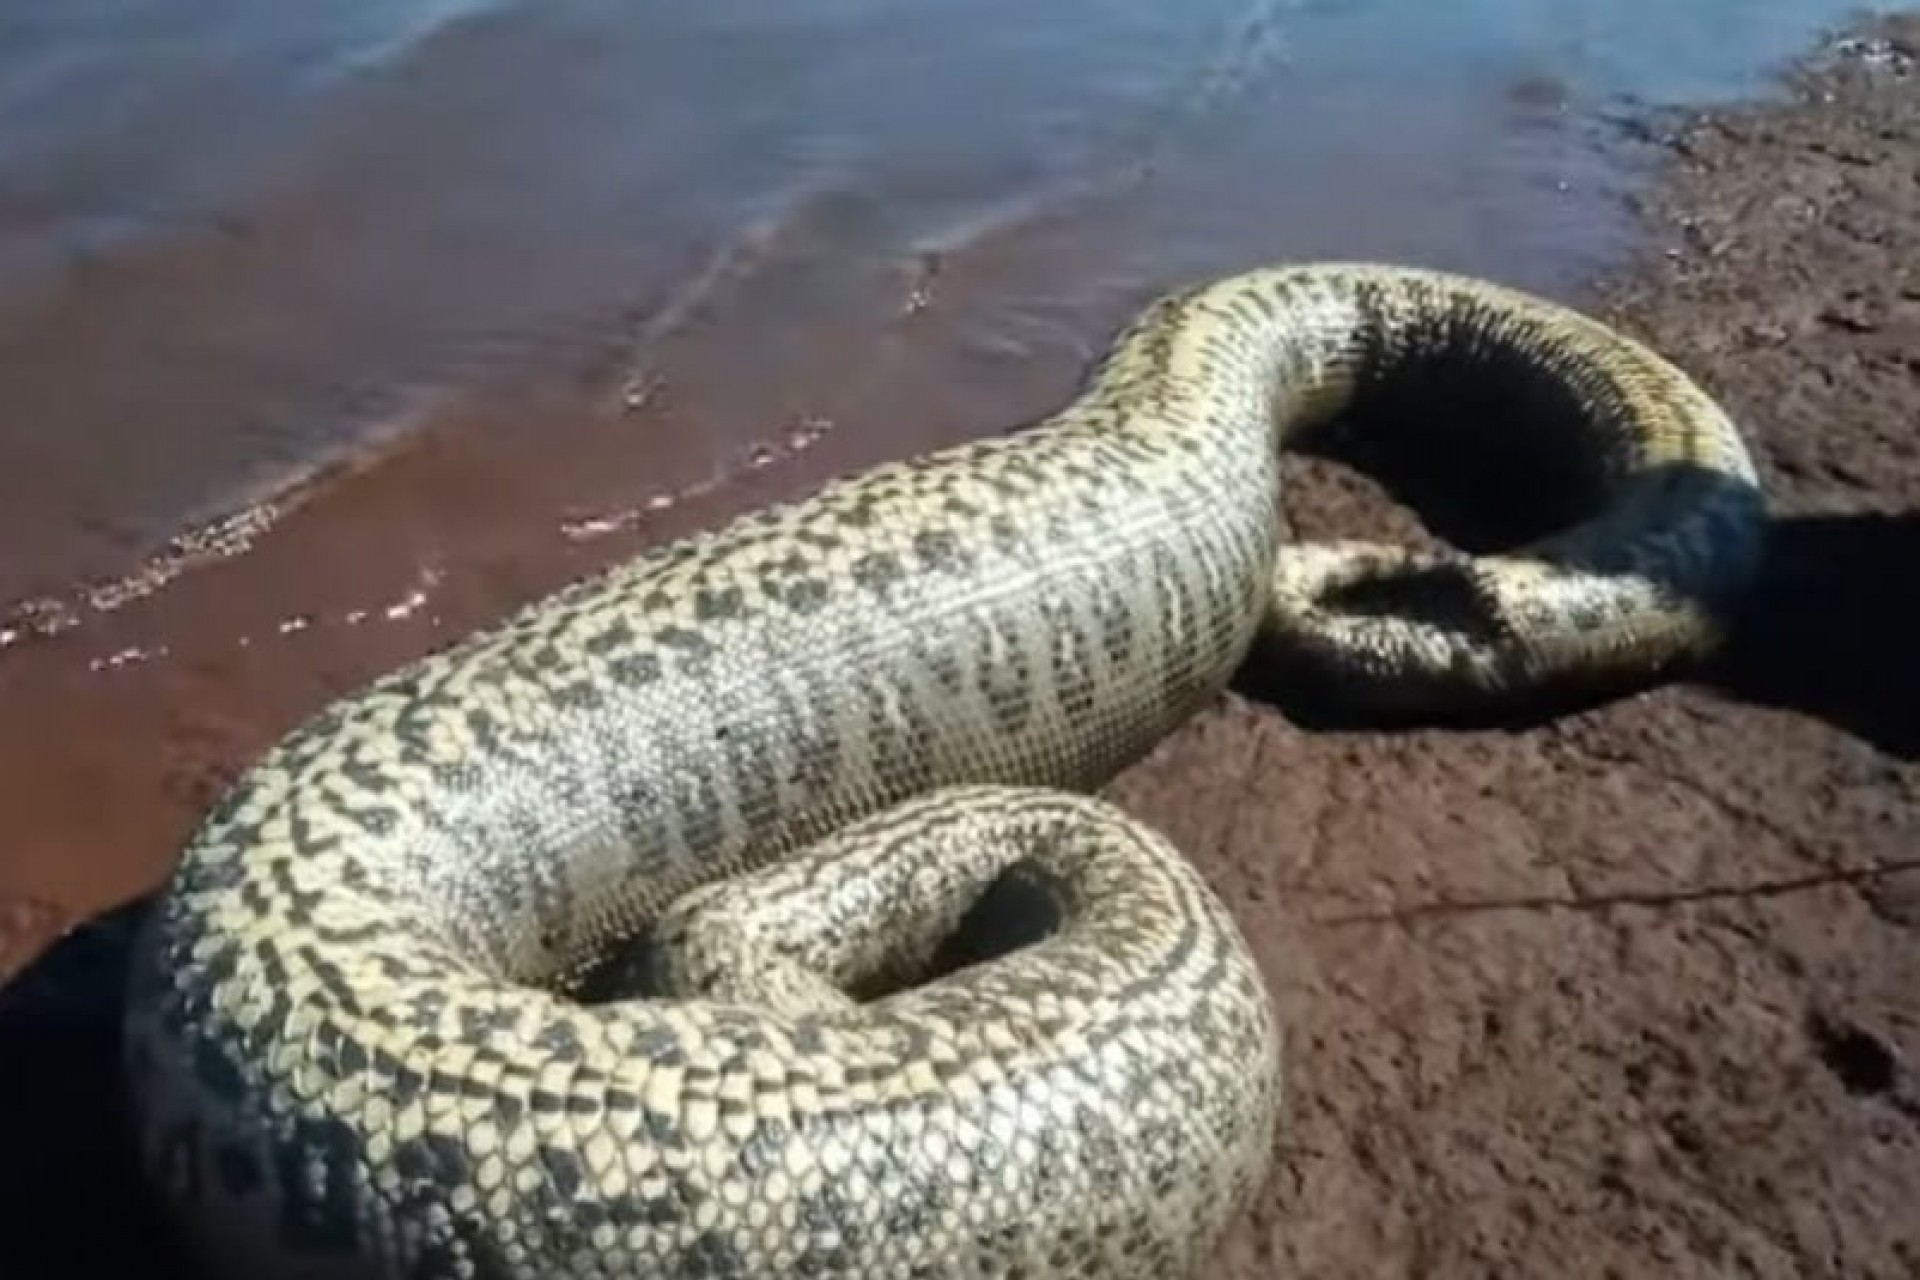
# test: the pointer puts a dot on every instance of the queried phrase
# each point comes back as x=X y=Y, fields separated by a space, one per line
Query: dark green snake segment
x=793 y=752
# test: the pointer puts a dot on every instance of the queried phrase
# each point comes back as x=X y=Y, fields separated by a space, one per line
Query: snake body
x=795 y=753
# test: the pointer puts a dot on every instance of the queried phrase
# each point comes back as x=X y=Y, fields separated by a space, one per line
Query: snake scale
x=795 y=755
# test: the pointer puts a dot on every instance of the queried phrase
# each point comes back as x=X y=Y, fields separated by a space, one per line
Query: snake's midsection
x=1050 y=643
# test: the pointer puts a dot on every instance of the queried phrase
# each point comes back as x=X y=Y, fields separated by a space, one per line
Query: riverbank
x=1623 y=994
x=1631 y=994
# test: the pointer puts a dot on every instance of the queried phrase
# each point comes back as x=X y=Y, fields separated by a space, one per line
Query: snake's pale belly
x=795 y=752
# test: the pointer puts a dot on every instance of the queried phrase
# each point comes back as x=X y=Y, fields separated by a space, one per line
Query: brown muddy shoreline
x=1626 y=993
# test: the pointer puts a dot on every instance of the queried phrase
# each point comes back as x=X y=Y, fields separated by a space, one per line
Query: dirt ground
x=1633 y=992
x=1623 y=992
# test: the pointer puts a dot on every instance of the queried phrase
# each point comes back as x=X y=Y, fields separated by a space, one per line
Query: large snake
x=803 y=753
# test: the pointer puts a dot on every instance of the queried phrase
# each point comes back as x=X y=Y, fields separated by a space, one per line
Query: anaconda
x=793 y=753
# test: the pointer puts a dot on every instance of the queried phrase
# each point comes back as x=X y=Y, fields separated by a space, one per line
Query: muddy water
x=451 y=301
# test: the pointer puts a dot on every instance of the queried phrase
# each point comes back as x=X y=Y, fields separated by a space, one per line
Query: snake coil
x=794 y=752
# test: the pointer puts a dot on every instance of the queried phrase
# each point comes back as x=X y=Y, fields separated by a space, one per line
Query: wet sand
x=1622 y=993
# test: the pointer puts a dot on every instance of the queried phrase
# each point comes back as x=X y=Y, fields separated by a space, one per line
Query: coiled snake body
x=796 y=752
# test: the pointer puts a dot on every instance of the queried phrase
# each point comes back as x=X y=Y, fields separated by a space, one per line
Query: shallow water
x=506 y=289
x=238 y=238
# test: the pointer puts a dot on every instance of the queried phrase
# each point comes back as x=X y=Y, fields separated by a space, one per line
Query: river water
x=473 y=295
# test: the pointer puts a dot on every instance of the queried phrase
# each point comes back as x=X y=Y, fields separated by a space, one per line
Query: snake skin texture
x=796 y=756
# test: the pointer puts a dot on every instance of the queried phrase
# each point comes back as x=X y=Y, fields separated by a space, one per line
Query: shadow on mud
x=71 y=1199
x=1834 y=631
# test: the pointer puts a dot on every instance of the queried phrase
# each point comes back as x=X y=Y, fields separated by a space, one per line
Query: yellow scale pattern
x=793 y=753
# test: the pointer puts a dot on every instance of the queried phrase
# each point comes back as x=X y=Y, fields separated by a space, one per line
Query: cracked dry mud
x=1628 y=992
